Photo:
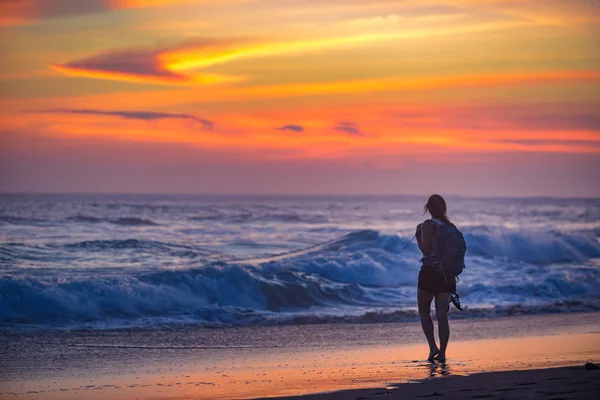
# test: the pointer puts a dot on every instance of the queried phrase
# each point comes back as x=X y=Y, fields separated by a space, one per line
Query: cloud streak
x=135 y=115
x=134 y=65
x=292 y=128
x=23 y=12
x=173 y=65
x=547 y=142
x=176 y=65
x=349 y=128
x=144 y=65
x=539 y=117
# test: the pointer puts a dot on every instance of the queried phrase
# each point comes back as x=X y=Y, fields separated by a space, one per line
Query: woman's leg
x=424 y=299
x=441 y=312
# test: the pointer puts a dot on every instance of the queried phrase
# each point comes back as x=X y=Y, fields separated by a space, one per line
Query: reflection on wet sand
x=254 y=373
x=438 y=369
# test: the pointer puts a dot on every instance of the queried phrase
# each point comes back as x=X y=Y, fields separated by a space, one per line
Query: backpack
x=449 y=248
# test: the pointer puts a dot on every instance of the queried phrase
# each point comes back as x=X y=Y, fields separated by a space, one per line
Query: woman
x=432 y=283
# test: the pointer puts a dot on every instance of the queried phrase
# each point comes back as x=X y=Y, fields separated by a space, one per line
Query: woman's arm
x=425 y=231
x=418 y=235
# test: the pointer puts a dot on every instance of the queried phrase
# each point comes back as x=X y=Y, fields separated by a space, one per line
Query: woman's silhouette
x=432 y=284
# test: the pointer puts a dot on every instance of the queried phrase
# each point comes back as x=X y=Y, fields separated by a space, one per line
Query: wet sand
x=236 y=363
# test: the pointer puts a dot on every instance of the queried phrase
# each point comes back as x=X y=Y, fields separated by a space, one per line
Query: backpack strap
x=437 y=222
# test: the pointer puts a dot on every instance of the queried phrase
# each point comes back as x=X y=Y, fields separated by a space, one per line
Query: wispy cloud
x=575 y=121
x=18 y=12
x=145 y=64
x=349 y=128
x=546 y=142
x=137 y=115
x=138 y=65
x=178 y=64
x=293 y=128
x=538 y=117
x=409 y=13
x=21 y=12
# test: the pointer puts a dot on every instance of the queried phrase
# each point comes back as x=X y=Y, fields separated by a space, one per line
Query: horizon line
x=314 y=195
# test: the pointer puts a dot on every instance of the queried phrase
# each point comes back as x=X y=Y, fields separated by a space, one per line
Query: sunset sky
x=468 y=97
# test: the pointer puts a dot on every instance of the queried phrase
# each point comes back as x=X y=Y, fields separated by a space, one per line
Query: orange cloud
x=166 y=79
x=116 y=4
x=163 y=64
x=409 y=84
x=317 y=132
x=396 y=84
x=343 y=92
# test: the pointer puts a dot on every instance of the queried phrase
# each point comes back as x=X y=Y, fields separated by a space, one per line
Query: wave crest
x=167 y=294
x=534 y=247
x=363 y=276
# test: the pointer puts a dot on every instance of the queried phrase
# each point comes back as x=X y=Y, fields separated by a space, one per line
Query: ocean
x=103 y=262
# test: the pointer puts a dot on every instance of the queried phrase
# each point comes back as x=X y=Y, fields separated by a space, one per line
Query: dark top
x=430 y=279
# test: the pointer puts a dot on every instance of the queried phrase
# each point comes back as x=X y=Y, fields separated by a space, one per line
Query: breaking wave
x=535 y=247
x=86 y=219
x=126 y=221
x=364 y=276
x=251 y=217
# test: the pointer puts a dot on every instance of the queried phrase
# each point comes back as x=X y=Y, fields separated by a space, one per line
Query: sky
x=467 y=97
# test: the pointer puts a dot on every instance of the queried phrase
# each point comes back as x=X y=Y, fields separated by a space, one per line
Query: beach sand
x=258 y=362
x=552 y=383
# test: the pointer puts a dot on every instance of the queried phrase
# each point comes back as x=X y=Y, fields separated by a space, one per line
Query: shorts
x=433 y=281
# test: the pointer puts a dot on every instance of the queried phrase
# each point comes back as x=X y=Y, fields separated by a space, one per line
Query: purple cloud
x=137 y=62
x=293 y=128
x=138 y=115
x=349 y=128
x=38 y=9
x=141 y=64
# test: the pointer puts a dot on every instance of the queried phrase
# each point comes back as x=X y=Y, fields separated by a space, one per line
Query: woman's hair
x=436 y=206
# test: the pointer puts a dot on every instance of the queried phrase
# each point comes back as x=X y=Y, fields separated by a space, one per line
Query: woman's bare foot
x=439 y=357
x=433 y=354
